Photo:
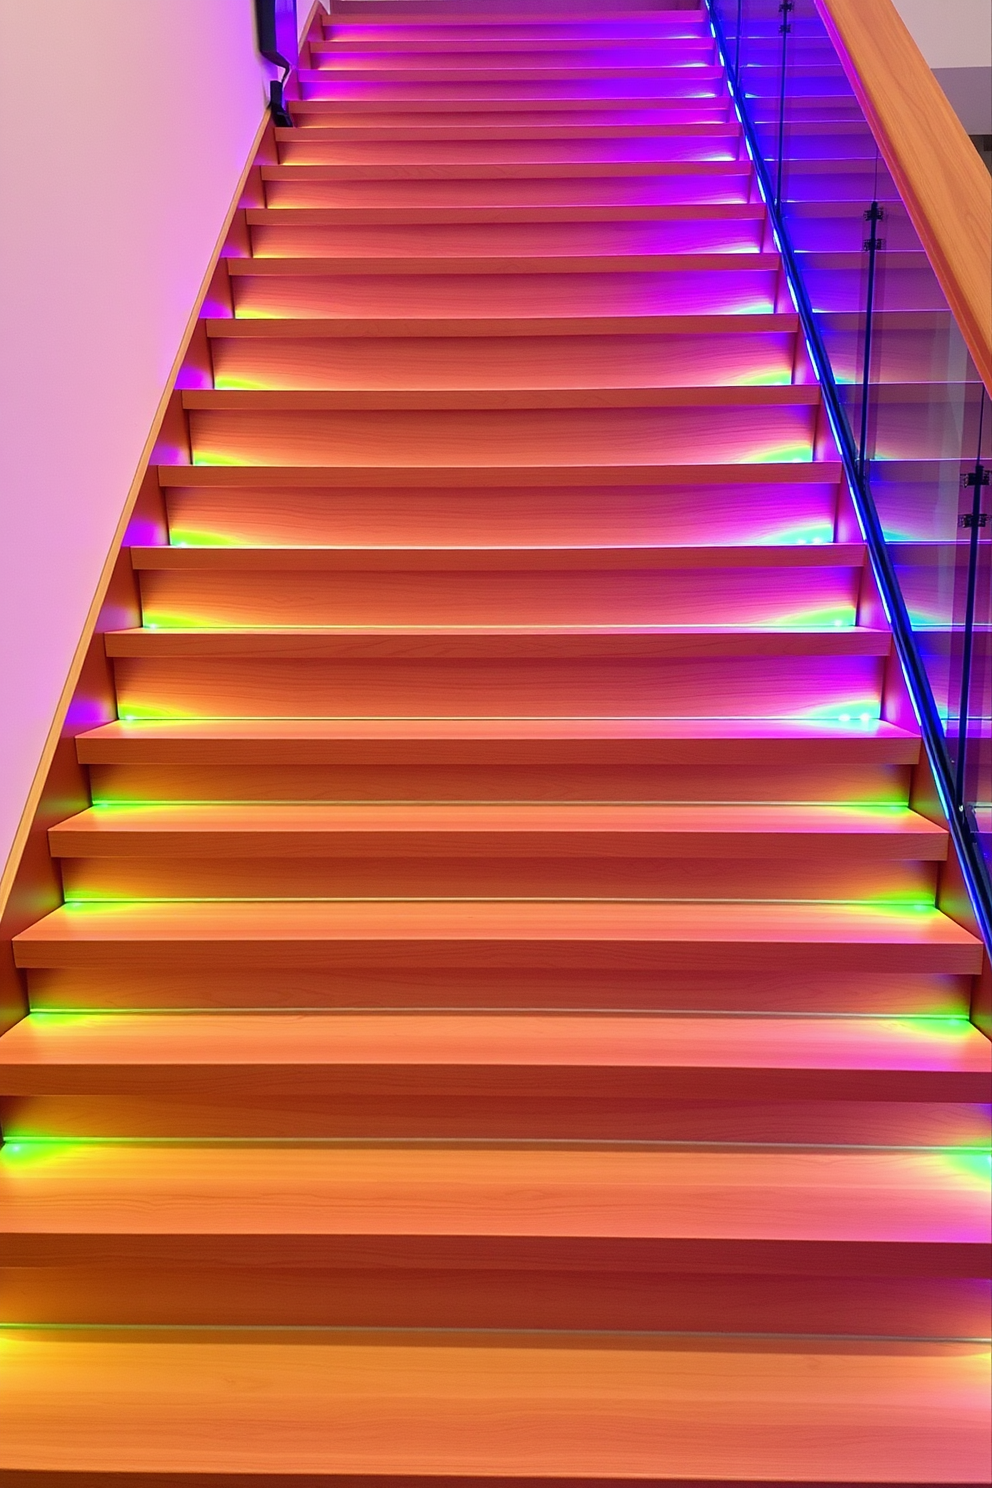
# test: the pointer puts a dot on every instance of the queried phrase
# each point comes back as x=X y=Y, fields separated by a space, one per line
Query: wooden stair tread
x=658 y=740
x=646 y=830
x=841 y=1196
x=464 y=1405
x=38 y=1048
x=796 y=933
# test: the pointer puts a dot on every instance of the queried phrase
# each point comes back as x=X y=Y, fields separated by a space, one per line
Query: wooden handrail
x=937 y=170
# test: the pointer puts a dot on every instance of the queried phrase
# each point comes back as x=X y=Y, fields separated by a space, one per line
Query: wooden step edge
x=502 y=477
x=566 y=643
x=510 y=821
x=292 y=266
x=451 y=935
x=373 y=742
x=237 y=833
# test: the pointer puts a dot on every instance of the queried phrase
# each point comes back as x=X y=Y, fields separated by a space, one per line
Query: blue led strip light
x=969 y=852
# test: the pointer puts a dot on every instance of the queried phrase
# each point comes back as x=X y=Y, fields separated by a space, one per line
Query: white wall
x=955 y=36
x=124 y=128
x=950 y=33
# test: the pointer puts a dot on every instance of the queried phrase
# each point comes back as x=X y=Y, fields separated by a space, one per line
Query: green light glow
x=846 y=710
x=241 y=384
x=195 y=539
x=785 y=454
x=30 y=1152
x=832 y=617
x=763 y=377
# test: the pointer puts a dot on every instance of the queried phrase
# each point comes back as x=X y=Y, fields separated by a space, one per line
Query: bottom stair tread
x=506 y=1405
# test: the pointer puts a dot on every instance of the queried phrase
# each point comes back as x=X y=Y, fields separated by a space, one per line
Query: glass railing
x=910 y=412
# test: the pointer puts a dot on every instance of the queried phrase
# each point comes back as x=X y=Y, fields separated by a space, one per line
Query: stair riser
x=517 y=362
x=725 y=291
x=793 y=686
x=514 y=958
x=836 y=143
x=836 y=228
x=254 y=516
x=725 y=146
x=254 y=873
x=908 y=356
x=223 y=1104
x=325 y=1249
x=817 y=108
x=904 y=993
x=847 y=165
x=778 y=596
x=841 y=291
x=934 y=1307
x=273 y=238
x=581 y=436
x=622 y=191
x=235 y=780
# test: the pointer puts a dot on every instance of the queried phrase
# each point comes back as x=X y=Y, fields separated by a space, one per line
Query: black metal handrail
x=276 y=29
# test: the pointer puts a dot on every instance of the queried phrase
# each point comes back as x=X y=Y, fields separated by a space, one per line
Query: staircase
x=499 y=1026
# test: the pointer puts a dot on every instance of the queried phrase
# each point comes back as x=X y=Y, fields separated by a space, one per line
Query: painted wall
x=955 y=36
x=124 y=128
